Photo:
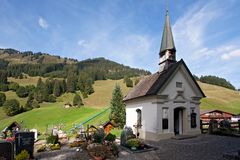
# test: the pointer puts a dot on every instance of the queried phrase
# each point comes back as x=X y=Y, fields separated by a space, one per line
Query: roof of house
x=153 y=83
x=202 y=112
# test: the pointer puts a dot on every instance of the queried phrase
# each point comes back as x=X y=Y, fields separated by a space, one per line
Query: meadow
x=55 y=113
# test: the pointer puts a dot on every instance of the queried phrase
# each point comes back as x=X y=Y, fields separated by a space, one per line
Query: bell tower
x=167 y=52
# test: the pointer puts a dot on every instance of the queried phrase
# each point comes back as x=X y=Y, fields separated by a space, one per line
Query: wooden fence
x=204 y=126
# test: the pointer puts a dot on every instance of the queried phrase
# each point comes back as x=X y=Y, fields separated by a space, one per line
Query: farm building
x=165 y=103
x=207 y=115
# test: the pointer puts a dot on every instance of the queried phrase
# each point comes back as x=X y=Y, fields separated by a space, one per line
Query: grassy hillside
x=220 y=98
x=217 y=98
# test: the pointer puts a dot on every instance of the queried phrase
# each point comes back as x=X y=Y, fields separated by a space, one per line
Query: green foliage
x=63 y=86
x=133 y=142
x=35 y=104
x=98 y=136
x=52 y=139
x=2 y=98
x=71 y=83
x=3 y=77
x=11 y=107
x=24 y=155
x=49 y=84
x=22 y=92
x=117 y=113
x=216 y=81
x=51 y=98
x=77 y=100
x=13 y=86
x=110 y=137
x=129 y=83
x=41 y=92
x=57 y=88
x=3 y=87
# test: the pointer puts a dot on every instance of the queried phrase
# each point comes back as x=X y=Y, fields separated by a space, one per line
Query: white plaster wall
x=149 y=114
x=188 y=86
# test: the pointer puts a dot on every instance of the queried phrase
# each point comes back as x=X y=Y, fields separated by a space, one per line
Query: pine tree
x=71 y=83
x=63 y=86
x=89 y=88
x=3 y=76
x=57 y=89
x=41 y=92
x=49 y=84
x=117 y=113
x=77 y=100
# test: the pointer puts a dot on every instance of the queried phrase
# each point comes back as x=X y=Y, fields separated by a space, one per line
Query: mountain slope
x=217 y=98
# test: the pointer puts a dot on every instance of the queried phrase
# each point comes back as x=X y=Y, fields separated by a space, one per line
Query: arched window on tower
x=139 y=118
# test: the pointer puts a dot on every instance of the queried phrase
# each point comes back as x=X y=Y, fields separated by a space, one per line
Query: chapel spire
x=167 y=51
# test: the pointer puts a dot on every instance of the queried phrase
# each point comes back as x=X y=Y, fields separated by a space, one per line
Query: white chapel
x=165 y=103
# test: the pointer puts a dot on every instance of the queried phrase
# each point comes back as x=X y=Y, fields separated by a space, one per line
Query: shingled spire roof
x=167 y=38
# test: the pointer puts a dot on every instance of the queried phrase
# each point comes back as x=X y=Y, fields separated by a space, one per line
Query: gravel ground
x=204 y=147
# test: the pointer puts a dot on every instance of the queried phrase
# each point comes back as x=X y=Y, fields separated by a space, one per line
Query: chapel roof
x=150 y=85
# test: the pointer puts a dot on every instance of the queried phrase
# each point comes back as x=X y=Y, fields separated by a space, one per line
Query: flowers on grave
x=76 y=144
x=133 y=143
x=24 y=155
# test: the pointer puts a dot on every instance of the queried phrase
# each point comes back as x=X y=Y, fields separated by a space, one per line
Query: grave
x=25 y=141
x=35 y=134
x=6 y=150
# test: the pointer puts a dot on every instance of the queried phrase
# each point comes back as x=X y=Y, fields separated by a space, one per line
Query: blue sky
x=206 y=32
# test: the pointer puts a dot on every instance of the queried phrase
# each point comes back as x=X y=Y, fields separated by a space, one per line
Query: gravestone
x=213 y=126
x=25 y=141
x=55 y=131
x=35 y=131
x=6 y=150
x=126 y=134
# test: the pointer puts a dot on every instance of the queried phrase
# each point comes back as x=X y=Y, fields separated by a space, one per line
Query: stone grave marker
x=25 y=141
x=35 y=131
x=6 y=150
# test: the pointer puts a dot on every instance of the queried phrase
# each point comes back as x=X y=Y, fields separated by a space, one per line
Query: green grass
x=220 y=98
x=13 y=95
x=51 y=114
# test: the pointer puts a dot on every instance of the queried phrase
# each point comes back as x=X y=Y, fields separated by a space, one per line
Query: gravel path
x=204 y=147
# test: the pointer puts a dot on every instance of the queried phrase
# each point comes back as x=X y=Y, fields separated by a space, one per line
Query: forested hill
x=16 y=57
x=16 y=63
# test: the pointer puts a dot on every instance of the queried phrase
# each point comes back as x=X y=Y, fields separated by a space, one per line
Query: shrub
x=77 y=100
x=98 y=136
x=52 y=139
x=24 y=155
x=110 y=137
x=51 y=98
x=22 y=92
x=3 y=87
x=133 y=142
x=13 y=86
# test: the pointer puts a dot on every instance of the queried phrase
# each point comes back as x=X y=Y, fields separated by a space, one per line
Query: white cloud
x=81 y=43
x=42 y=23
x=231 y=55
